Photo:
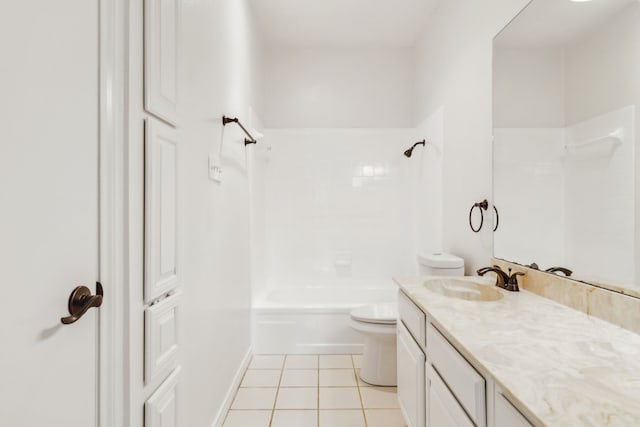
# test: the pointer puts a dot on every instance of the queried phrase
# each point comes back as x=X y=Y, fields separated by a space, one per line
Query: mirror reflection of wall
x=566 y=103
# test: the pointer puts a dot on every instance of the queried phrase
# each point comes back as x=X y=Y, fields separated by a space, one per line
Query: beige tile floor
x=311 y=391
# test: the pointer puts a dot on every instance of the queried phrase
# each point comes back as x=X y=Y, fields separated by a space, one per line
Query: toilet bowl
x=378 y=324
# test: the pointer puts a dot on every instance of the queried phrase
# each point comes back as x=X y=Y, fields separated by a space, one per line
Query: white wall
x=338 y=87
x=610 y=54
x=338 y=206
x=529 y=191
x=454 y=59
x=427 y=195
x=528 y=88
x=218 y=76
x=599 y=202
x=528 y=171
x=602 y=69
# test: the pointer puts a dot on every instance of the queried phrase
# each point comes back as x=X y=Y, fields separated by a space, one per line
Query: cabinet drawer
x=506 y=415
x=464 y=382
x=443 y=410
x=412 y=317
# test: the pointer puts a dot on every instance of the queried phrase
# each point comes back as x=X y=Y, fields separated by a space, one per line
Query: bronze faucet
x=563 y=270
x=503 y=280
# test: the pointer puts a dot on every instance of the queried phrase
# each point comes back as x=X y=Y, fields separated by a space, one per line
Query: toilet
x=440 y=264
x=377 y=323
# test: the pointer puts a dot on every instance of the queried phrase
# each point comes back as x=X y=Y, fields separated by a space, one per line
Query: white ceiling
x=558 y=23
x=338 y=23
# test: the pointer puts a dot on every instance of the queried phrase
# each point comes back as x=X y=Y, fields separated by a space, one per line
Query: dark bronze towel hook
x=483 y=206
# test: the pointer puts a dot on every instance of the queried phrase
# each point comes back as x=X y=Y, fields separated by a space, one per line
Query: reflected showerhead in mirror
x=409 y=152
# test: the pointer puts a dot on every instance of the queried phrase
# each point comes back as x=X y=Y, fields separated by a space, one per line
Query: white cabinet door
x=49 y=112
x=411 y=362
x=443 y=410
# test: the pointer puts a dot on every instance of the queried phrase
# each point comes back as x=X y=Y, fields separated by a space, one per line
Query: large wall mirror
x=566 y=167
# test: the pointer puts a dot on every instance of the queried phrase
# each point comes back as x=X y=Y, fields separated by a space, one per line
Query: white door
x=48 y=211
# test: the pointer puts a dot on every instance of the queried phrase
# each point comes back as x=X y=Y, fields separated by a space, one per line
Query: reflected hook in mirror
x=562 y=270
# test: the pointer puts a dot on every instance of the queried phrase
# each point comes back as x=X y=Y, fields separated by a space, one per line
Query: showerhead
x=409 y=152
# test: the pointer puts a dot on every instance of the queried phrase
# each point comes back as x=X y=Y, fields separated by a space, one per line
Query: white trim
x=231 y=393
x=112 y=261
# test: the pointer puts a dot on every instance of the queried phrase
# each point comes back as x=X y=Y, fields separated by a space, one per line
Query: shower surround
x=333 y=221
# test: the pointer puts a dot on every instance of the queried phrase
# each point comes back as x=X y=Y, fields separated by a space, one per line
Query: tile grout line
x=318 y=399
x=355 y=373
x=275 y=401
x=318 y=370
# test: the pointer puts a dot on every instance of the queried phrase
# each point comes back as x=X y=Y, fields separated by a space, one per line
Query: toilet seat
x=382 y=314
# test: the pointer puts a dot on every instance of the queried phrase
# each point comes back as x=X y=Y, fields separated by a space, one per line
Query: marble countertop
x=558 y=365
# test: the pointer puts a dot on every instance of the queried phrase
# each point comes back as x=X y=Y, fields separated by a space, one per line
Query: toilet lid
x=386 y=313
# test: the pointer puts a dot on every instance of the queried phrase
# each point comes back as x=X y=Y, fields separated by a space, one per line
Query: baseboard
x=231 y=393
x=326 y=349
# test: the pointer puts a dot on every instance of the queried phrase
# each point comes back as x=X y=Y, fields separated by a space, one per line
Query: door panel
x=161 y=58
x=161 y=409
x=161 y=338
x=48 y=210
x=161 y=210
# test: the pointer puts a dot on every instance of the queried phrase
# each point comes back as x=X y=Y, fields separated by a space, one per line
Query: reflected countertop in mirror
x=566 y=78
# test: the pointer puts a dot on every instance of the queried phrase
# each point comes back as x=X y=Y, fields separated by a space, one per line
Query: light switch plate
x=215 y=170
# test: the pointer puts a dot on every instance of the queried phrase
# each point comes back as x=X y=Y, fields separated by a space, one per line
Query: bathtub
x=312 y=319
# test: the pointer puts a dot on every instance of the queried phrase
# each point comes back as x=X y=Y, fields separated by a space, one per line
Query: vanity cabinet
x=437 y=386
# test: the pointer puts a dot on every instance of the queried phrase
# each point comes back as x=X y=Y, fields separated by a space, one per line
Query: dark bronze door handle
x=81 y=301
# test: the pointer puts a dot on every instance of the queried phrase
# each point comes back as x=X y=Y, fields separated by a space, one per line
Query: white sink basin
x=470 y=289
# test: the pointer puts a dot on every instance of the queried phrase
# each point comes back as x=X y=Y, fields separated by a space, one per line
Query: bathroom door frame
x=113 y=199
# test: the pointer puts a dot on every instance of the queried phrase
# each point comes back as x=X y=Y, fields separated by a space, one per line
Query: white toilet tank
x=440 y=264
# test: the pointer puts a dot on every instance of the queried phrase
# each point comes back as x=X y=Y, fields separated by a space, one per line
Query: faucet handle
x=512 y=284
